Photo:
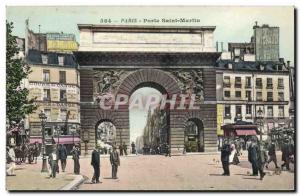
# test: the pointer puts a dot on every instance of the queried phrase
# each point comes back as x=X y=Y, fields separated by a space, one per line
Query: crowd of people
x=16 y=155
x=257 y=155
x=161 y=149
x=260 y=155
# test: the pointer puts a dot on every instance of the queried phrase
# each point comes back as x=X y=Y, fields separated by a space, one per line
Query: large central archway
x=153 y=78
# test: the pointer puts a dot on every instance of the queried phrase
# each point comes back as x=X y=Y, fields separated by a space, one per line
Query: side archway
x=194 y=135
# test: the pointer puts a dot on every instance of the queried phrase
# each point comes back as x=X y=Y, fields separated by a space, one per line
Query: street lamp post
x=260 y=118
x=58 y=133
x=43 y=119
x=73 y=131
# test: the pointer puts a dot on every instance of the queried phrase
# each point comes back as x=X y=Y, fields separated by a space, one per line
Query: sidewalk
x=29 y=177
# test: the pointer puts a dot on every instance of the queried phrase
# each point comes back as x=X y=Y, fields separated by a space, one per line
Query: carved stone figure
x=190 y=81
x=107 y=81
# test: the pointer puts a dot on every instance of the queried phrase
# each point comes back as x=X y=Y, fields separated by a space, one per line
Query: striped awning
x=245 y=132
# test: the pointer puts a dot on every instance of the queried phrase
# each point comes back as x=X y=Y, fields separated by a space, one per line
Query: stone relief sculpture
x=190 y=81
x=107 y=81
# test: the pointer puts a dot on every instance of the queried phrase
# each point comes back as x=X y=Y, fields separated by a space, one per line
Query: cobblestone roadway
x=192 y=172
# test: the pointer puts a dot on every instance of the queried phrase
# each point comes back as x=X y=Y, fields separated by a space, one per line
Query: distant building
x=156 y=128
x=50 y=42
x=246 y=85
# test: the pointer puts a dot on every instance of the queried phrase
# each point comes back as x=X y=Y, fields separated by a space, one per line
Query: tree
x=17 y=103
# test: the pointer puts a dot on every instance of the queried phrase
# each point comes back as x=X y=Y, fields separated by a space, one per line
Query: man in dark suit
x=115 y=162
x=225 y=153
x=76 y=153
x=287 y=151
x=63 y=155
x=261 y=160
x=95 y=162
x=252 y=157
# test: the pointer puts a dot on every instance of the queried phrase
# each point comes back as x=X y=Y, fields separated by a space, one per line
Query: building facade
x=55 y=88
x=54 y=82
x=253 y=84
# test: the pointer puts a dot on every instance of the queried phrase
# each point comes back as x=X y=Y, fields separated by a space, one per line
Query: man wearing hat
x=76 y=152
x=95 y=162
x=286 y=153
x=225 y=153
x=53 y=158
x=115 y=162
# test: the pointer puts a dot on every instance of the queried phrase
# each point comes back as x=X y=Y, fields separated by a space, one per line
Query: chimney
x=217 y=47
x=221 y=46
x=288 y=64
x=256 y=25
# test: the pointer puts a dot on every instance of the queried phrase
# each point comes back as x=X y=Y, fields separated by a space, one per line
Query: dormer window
x=44 y=58
x=61 y=60
x=261 y=67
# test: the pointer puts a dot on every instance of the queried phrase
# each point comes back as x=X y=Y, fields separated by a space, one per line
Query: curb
x=79 y=179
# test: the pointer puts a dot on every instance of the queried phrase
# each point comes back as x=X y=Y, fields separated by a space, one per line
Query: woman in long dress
x=233 y=152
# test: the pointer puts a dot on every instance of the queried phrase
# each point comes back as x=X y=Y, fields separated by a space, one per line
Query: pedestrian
x=233 y=152
x=75 y=153
x=115 y=162
x=30 y=155
x=95 y=162
x=125 y=148
x=287 y=151
x=168 y=151
x=11 y=160
x=121 y=149
x=52 y=160
x=24 y=149
x=35 y=152
x=261 y=160
x=225 y=153
x=133 y=151
x=63 y=155
x=272 y=155
x=252 y=157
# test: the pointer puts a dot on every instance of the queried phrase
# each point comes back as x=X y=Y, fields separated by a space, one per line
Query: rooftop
x=142 y=28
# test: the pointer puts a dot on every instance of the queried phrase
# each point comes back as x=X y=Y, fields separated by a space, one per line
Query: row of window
x=63 y=114
x=61 y=59
x=258 y=95
x=62 y=76
x=258 y=82
x=238 y=111
x=62 y=95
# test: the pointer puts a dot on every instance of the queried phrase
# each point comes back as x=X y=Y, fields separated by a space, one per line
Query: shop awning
x=63 y=140
x=245 y=132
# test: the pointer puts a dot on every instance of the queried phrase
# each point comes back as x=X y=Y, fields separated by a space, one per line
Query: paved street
x=191 y=172
x=155 y=172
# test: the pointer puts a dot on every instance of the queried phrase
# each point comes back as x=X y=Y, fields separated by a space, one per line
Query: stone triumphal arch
x=120 y=59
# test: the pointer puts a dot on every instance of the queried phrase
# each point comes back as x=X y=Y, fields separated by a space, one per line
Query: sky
x=233 y=24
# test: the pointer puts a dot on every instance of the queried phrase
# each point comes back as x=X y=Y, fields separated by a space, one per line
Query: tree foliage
x=17 y=103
